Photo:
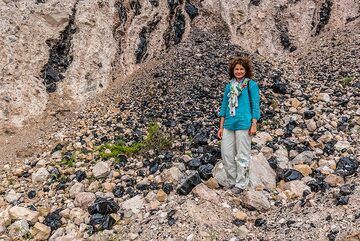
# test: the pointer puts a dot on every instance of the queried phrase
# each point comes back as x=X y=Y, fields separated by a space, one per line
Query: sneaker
x=236 y=190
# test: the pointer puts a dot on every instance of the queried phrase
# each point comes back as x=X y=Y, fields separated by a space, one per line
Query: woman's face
x=239 y=71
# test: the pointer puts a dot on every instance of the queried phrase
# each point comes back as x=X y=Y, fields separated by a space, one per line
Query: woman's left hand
x=252 y=130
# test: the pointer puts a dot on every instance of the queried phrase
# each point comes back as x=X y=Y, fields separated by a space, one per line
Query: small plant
x=155 y=139
x=346 y=81
x=68 y=160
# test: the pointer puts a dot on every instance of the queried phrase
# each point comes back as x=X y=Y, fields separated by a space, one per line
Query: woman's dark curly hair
x=245 y=62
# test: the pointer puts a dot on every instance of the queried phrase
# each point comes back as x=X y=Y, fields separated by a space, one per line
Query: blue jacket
x=243 y=114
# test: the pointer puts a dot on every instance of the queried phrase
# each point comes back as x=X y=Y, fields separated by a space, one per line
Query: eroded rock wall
x=59 y=53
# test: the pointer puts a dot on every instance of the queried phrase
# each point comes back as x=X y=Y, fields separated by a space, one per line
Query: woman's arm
x=224 y=102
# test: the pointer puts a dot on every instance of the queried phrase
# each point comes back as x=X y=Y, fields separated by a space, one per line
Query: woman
x=239 y=113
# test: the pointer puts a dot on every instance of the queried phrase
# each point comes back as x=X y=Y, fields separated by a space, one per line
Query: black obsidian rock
x=309 y=114
x=347 y=189
x=290 y=175
x=31 y=194
x=318 y=185
x=238 y=222
x=53 y=220
x=346 y=166
x=103 y=206
x=205 y=171
x=80 y=175
x=189 y=184
x=343 y=200
x=191 y=10
x=167 y=188
x=118 y=191
x=273 y=163
x=194 y=164
x=260 y=222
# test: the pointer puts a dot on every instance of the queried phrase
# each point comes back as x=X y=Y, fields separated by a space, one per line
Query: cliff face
x=56 y=54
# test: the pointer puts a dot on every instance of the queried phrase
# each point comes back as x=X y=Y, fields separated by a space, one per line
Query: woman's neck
x=239 y=80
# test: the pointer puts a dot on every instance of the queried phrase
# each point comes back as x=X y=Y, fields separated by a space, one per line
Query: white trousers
x=235 y=153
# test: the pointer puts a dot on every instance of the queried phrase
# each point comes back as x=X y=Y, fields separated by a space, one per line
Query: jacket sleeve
x=255 y=100
x=225 y=102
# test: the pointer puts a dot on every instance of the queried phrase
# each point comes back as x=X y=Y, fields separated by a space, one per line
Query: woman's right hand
x=220 y=133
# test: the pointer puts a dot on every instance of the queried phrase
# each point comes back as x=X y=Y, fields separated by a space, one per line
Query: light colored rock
x=12 y=196
x=41 y=163
x=311 y=125
x=161 y=196
x=212 y=183
x=329 y=163
x=5 y=218
x=267 y=152
x=40 y=176
x=304 y=157
x=261 y=138
x=220 y=175
x=342 y=145
x=18 y=229
x=323 y=97
x=325 y=170
x=18 y=213
x=241 y=216
x=186 y=158
x=206 y=193
x=134 y=204
x=40 y=231
x=297 y=187
x=295 y=103
x=282 y=157
x=84 y=199
x=334 y=180
x=255 y=200
x=78 y=187
x=304 y=169
x=101 y=169
x=261 y=174
x=171 y=175
x=57 y=233
x=326 y=137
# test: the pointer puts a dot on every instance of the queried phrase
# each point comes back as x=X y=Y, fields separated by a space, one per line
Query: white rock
x=76 y=188
x=255 y=200
x=57 y=233
x=84 y=199
x=18 y=229
x=206 y=193
x=341 y=145
x=41 y=163
x=267 y=151
x=261 y=138
x=5 y=218
x=304 y=157
x=323 y=97
x=311 y=125
x=12 y=196
x=282 y=157
x=101 y=169
x=171 y=175
x=297 y=187
x=261 y=174
x=40 y=176
x=17 y=213
x=134 y=204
